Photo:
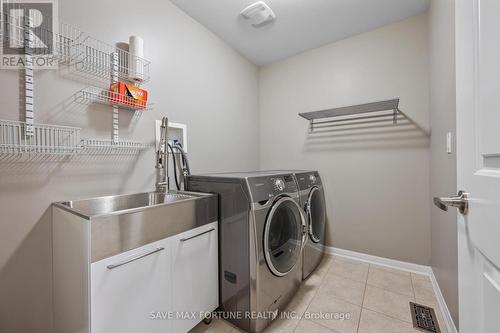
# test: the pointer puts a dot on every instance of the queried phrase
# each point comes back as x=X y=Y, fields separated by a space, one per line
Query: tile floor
x=376 y=299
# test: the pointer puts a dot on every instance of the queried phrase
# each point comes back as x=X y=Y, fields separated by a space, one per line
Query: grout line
x=322 y=281
x=413 y=288
x=317 y=289
x=389 y=316
x=391 y=291
x=320 y=324
x=363 y=302
x=315 y=292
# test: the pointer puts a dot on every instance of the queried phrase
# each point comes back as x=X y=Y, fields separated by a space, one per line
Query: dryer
x=262 y=231
x=312 y=199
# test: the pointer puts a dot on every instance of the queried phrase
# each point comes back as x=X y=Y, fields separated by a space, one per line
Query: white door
x=130 y=292
x=478 y=158
x=195 y=272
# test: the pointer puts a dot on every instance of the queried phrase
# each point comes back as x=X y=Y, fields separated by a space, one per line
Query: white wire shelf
x=57 y=140
x=94 y=57
x=103 y=144
x=91 y=95
x=46 y=139
x=71 y=46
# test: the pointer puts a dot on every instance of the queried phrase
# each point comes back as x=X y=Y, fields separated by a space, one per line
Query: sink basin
x=124 y=203
x=114 y=224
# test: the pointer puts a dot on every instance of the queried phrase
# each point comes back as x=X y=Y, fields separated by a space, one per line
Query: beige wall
x=196 y=79
x=443 y=166
x=376 y=180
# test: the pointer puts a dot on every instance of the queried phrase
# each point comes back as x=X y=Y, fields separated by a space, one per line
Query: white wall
x=443 y=166
x=377 y=183
x=196 y=79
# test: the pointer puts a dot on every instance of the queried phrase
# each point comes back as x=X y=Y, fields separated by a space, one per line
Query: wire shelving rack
x=96 y=59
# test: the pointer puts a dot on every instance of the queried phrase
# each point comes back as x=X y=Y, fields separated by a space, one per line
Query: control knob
x=312 y=178
x=279 y=184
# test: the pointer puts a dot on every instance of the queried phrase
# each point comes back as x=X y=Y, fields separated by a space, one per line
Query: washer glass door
x=283 y=236
x=316 y=214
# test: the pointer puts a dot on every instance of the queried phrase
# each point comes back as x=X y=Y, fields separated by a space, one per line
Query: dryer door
x=316 y=214
x=283 y=236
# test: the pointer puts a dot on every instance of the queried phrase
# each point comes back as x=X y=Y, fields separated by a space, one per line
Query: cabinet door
x=195 y=272
x=130 y=291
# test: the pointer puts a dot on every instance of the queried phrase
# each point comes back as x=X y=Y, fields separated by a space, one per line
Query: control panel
x=308 y=179
x=267 y=187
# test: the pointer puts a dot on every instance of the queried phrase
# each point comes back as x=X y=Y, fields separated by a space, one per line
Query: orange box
x=129 y=95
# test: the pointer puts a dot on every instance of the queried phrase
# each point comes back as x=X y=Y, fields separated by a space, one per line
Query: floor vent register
x=424 y=318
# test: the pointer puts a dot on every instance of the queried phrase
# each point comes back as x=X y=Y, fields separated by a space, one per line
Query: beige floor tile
x=282 y=326
x=338 y=315
x=236 y=330
x=422 y=287
x=387 y=302
x=301 y=300
x=306 y=326
x=216 y=326
x=390 y=269
x=417 y=276
x=324 y=265
x=349 y=269
x=314 y=280
x=437 y=310
x=372 y=322
x=345 y=289
x=317 y=276
x=399 y=282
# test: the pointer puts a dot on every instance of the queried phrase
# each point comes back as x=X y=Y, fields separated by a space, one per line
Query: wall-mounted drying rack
x=88 y=55
x=387 y=109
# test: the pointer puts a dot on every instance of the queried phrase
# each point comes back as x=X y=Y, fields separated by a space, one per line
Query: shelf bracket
x=114 y=79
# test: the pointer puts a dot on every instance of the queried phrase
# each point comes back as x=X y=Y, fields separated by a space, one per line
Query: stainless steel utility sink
x=114 y=224
x=119 y=204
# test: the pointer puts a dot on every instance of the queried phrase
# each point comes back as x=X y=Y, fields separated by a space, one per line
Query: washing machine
x=262 y=232
x=312 y=199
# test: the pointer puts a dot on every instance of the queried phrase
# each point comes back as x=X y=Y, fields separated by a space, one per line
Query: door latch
x=461 y=201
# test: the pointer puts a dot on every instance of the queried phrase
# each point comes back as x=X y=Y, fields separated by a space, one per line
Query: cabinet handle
x=140 y=256
x=201 y=233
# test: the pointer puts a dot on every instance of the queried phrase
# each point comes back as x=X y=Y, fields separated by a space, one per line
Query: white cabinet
x=195 y=272
x=128 y=287
x=145 y=289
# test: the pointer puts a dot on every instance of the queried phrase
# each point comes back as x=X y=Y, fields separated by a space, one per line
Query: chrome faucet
x=162 y=181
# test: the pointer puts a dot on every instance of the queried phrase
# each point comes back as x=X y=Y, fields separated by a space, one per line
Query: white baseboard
x=391 y=263
x=404 y=266
x=442 y=304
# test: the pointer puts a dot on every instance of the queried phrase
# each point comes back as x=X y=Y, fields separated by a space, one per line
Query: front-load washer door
x=316 y=214
x=283 y=236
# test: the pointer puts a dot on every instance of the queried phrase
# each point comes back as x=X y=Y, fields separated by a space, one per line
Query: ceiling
x=300 y=24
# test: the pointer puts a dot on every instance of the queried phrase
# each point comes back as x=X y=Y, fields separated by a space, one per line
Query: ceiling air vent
x=258 y=13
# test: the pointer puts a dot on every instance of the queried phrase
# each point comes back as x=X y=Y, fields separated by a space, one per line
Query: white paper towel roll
x=135 y=61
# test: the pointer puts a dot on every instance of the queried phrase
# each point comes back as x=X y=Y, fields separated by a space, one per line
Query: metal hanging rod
x=350 y=114
x=391 y=104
